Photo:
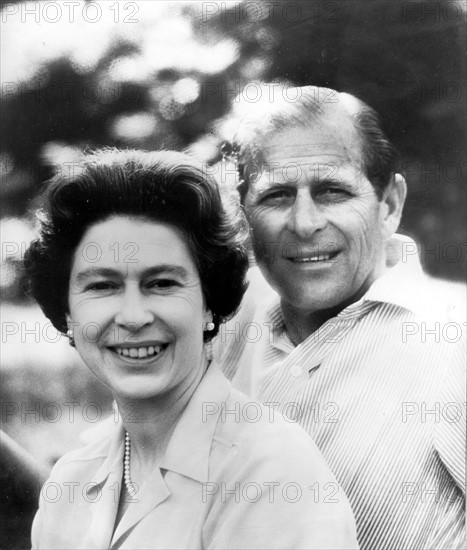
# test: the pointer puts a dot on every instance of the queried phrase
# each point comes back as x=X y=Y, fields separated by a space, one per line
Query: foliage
x=167 y=76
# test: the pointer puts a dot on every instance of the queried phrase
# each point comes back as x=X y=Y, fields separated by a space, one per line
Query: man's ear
x=393 y=203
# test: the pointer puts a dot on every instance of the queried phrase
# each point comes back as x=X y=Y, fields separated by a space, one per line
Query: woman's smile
x=147 y=315
x=147 y=351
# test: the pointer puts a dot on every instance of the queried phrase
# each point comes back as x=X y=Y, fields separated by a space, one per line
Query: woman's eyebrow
x=85 y=274
x=172 y=269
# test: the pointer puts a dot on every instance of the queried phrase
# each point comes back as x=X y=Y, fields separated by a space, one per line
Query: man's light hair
x=304 y=107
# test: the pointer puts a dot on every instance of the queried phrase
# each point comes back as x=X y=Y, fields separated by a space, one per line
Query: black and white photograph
x=233 y=274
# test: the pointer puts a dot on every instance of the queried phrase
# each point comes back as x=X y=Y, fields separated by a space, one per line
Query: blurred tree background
x=165 y=74
x=153 y=74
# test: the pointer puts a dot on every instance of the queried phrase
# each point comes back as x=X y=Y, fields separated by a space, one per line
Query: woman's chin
x=139 y=392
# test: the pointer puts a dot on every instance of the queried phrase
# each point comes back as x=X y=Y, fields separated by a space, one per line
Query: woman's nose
x=305 y=217
x=134 y=311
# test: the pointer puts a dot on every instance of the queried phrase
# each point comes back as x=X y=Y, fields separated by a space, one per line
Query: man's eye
x=276 y=196
x=335 y=192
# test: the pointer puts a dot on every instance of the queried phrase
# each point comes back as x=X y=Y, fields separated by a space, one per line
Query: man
x=345 y=349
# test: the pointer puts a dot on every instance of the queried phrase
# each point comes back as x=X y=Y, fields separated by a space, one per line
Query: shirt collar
x=404 y=283
x=273 y=315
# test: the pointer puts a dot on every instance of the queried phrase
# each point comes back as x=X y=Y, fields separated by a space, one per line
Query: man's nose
x=305 y=217
x=134 y=311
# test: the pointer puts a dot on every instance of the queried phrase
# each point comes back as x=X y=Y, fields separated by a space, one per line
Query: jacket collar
x=190 y=445
x=112 y=451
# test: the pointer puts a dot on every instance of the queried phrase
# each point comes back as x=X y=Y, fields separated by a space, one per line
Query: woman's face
x=137 y=308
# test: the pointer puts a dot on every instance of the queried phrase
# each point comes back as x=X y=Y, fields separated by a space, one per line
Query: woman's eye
x=163 y=283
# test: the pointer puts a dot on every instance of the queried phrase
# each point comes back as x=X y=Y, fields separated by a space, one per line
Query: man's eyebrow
x=173 y=269
x=264 y=187
x=332 y=179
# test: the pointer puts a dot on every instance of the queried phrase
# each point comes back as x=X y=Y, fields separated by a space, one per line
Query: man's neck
x=300 y=324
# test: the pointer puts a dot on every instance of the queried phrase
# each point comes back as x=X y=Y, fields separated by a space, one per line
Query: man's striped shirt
x=381 y=389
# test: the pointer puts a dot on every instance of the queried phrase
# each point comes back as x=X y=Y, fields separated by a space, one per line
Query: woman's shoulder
x=260 y=434
x=94 y=450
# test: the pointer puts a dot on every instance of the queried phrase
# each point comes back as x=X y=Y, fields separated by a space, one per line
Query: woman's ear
x=393 y=202
x=208 y=316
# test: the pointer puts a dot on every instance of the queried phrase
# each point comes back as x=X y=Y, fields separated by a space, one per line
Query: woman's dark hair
x=164 y=186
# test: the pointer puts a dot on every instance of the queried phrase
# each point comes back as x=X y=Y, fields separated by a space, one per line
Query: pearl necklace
x=130 y=486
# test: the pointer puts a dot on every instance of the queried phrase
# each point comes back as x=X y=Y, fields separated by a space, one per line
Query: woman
x=138 y=263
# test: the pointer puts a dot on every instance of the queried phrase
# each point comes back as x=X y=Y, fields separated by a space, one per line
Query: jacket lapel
x=151 y=494
x=103 y=494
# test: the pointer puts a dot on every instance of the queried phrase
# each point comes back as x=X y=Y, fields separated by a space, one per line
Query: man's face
x=316 y=222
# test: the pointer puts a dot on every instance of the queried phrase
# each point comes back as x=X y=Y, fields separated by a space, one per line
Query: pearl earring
x=210 y=326
x=71 y=338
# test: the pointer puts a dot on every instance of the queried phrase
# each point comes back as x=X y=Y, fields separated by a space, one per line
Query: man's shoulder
x=439 y=301
x=448 y=298
x=246 y=325
x=259 y=289
x=258 y=297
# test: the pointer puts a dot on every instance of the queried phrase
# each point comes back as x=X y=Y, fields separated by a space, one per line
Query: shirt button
x=296 y=370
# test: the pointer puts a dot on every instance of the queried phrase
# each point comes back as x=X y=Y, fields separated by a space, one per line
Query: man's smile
x=307 y=257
